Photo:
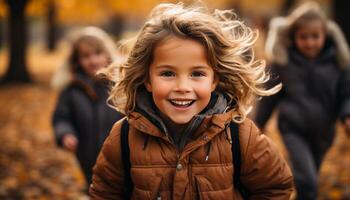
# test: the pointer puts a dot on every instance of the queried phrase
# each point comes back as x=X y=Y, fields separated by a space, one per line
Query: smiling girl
x=189 y=77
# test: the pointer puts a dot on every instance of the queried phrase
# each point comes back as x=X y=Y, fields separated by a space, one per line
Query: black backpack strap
x=124 y=139
x=237 y=159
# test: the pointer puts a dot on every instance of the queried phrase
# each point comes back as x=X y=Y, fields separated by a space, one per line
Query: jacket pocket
x=150 y=193
x=206 y=190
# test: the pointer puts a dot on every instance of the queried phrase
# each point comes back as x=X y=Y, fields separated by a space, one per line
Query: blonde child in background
x=310 y=57
x=82 y=119
x=189 y=77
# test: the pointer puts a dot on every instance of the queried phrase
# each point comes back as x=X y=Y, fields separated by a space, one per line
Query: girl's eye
x=315 y=36
x=98 y=52
x=167 y=73
x=303 y=37
x=197 y=74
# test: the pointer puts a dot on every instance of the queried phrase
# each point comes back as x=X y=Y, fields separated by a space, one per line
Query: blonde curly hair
x=229 y=51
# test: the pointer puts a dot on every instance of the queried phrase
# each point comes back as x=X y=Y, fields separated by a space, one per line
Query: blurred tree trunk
x=17 y=68
x=115 y=26
x=51 y=26
x=341 y=16
x=237 y=7
x=287 y=6
x=1 y=33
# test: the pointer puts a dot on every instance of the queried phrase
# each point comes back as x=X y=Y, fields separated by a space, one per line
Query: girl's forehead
x=172 y=42
x=179 y=46
x=84 y=47
x=181 y=56
x=311 y=24
x=88 y=46
x=172 y=38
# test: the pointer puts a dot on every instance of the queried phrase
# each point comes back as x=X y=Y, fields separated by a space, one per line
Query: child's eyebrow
x=173 y=67
x=164 y=66
x=201 y=67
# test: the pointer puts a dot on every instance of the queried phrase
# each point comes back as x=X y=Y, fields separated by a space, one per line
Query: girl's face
x=91 y=59
x=180 y=79
x=310 y=38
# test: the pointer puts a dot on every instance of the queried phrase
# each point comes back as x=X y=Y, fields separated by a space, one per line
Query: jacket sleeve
x=62 y=117
x=108 y=172
x=344 y=94
x=267 y=104
x=265 y=172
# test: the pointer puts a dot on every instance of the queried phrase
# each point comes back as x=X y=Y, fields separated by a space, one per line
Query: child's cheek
x=205 y=89
x=160 y=92
x=203 y=96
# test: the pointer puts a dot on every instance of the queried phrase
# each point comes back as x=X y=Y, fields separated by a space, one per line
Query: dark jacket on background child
x=82 y=110
x=315 y=92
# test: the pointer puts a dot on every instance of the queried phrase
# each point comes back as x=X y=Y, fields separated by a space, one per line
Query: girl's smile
x=182 y=104
x=181 y=79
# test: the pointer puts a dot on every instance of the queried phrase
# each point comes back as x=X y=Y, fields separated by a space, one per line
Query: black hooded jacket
x=315 y=93
x=82 y=110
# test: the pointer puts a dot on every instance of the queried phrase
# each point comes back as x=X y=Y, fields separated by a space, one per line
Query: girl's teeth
x=181 y=103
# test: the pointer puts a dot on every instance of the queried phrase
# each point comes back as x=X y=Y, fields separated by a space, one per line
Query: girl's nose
x=310 y=42
x=183 y=85
x=94 y=60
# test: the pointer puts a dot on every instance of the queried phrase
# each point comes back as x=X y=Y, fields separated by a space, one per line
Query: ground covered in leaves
x=31 y=166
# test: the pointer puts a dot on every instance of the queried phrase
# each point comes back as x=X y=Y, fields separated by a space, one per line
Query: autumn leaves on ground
x=32 y=167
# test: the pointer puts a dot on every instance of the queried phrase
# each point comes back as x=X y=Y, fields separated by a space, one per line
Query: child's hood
x=278 y=38
x=145 y=106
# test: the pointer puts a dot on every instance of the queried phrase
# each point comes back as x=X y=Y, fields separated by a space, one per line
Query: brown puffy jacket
x=159 y=170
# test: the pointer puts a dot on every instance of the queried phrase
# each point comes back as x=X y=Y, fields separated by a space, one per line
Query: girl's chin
x=181 y=121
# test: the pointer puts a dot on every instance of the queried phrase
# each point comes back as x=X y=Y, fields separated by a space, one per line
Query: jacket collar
x=216 y=123
x=328 y=53
x=146 y=117
x=93 y=87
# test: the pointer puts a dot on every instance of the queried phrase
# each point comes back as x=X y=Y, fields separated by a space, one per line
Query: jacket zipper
x=95 y=116
x=159 y=196
x=190 y=177
x=198 y=191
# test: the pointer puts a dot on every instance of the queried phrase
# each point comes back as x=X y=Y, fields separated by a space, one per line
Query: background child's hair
x=308 y=12
x=282 y=29
x=94 y=37
x=91 y=35
x=229 y=51
x=91 y=41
